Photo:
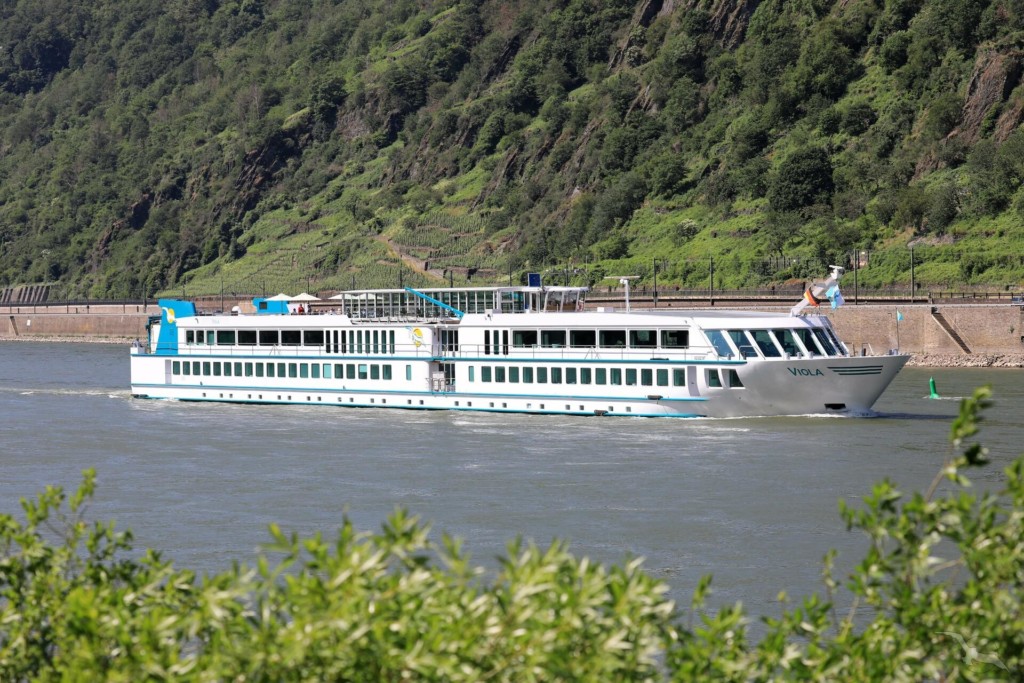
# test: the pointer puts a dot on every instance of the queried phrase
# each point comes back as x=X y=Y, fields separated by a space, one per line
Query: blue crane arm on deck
x=451 y=309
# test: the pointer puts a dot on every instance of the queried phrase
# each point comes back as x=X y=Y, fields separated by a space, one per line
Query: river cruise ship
x=507 y=349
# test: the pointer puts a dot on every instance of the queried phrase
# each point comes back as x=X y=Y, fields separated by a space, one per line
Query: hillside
x=264 y=145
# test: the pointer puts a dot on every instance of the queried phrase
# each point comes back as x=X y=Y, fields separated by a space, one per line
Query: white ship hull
x=639 y=364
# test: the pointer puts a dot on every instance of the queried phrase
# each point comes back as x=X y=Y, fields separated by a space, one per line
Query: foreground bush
x=937 y=597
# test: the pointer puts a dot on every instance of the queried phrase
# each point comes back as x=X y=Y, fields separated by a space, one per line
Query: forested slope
x=263 y=144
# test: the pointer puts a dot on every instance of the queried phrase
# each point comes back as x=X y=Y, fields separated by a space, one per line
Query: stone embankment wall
x=993 y=334
x=76 y=323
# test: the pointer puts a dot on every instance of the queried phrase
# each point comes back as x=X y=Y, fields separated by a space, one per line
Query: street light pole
x=711 y=291
x=913 y=282
x=856 y=266
x=655 y=264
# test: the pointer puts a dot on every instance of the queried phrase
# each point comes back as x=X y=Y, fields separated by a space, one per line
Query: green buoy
x=931 y=388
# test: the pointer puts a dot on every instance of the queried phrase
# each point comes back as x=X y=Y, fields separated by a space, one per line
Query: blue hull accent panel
x=170 y=311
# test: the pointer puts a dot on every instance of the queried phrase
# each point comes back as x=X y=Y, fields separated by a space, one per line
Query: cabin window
x=585 y=375
x=291 y=337
x=616 y=376
x=176 y=367
x=376 y=343
x=807 y=338
x=238 y=369
x=662 y=377
x=675 y=339
x=764 y=341
x=556 y=375
x=630 y=377
x=209 y=337
x=248 y=369
x=601 y=376
x=225 y=337
x=200 y=336
x=247 y=337
x=826 y=344
x=186 y=368
x=787 y=341
x=190 y=337
x=385 y=372
x=313 y=337
x=485 y=373
x=472 y=374
x=553 y=339
x=678 y=377
x=293 y=369
x=513 y=375
x=259 y=369
x=216 y=369
x=570 y=375
x=719 y=342
x=350 y=371
x=524 y=338
x=408 y=372
x=280 y=369
x=504 y=342
x=339 y=371
x=391 y=341
x=739 y=337
x=712 y=378
x=613 y=338
x=527 y=375
x=270 y=369
x=643 y=339
x=269 y=338
x=835 y=340
x=374 y=371
x=647 y=377
x=487 y=342
x=362 y=371
x=583 y=338
x=206 y=368
x=734 y=379
x=227 y=369
x=542 y=375
x=499 y=374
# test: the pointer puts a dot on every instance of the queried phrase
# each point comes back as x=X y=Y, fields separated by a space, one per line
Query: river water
x=751 y=501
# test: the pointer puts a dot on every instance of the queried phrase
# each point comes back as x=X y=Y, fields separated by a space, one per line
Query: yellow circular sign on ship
x=169 y=312
x=417 y=337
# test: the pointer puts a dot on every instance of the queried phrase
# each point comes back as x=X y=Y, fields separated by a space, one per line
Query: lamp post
x=913 y=281
x=655 y=264
x=711 y=290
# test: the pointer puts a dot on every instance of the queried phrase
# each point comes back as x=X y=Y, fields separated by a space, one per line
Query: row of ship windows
x=496 y=341
x=615 y=376
x=336 y=341
x=291 y=370
x=646 y=377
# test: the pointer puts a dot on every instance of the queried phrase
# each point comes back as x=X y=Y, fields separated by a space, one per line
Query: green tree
x=804 y=178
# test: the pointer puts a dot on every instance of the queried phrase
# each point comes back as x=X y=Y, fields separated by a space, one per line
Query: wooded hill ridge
x=258 y=145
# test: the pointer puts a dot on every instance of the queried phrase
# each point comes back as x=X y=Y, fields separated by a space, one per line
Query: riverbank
x=921 y=360
x=976 y=360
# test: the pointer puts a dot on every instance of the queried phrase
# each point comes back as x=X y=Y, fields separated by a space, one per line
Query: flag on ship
x=811 y=299
x=835 y=296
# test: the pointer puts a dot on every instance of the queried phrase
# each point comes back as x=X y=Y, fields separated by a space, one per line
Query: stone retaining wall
x=82 y=323
x=994 y=333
